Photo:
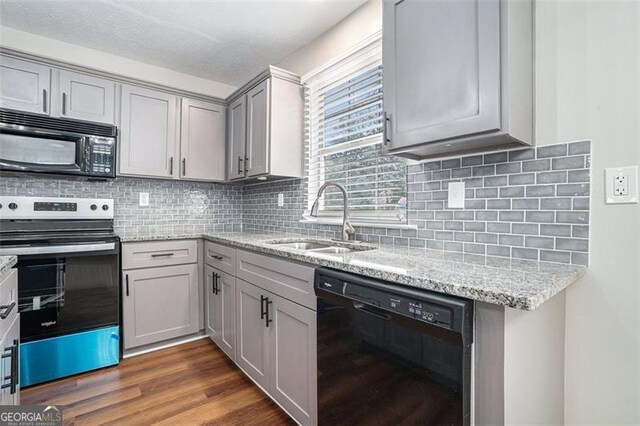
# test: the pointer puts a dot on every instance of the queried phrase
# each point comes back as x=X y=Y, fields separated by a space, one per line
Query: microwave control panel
x=102 y=157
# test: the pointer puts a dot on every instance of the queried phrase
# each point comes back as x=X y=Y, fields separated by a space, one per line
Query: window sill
x=338 y=221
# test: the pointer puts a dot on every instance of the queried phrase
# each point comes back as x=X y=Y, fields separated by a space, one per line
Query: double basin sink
x=328 y=247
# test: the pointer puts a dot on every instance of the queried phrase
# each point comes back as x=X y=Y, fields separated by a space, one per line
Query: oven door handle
x=76 y=248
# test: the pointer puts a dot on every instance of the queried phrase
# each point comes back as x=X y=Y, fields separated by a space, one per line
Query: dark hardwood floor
x=190 y=384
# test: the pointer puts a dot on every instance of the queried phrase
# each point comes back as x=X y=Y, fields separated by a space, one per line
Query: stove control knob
x=94 y=207
x=105 y=207
x=13 y=206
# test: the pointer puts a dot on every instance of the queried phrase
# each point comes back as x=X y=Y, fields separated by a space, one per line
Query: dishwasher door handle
x=372 y=310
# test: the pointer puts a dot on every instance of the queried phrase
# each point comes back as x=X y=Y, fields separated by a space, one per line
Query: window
x=344 y=137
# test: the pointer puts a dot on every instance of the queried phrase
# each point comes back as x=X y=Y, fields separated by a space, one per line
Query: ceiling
x=226 y=41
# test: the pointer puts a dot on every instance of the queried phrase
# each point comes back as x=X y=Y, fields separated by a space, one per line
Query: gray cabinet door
x=10 y=347
x=159 y=304
x=202 y=141
x=148 y=133
x=251 y=333
x=226 y=338
x=84 y=97
x=236 y=128
x=24 y=85
x=258 y=129
x=292 y=357
x=212 y=307
x=220 y=288
x=441 y=69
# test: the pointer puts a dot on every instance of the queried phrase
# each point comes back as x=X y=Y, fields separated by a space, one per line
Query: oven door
x=67 y=289
x=24 y=149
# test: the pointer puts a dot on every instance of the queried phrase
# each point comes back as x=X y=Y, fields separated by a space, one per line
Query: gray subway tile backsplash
x=524 y=203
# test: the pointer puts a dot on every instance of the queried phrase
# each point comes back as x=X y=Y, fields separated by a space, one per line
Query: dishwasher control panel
x=386 y=299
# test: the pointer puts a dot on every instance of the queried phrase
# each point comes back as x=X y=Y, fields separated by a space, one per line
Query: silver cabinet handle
x=171 y=166
x=44 y=100
x=64 y=103
x=216 y=257
x=6 y=310
x=184 y=167
x=126 y=279
x=162 y=254
x=385 y=131
x=246 y=164
x=239 y=165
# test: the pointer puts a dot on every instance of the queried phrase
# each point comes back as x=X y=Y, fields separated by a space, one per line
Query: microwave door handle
x=33 y=167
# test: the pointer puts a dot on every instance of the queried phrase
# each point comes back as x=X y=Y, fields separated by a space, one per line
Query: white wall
x=77 y=55
x=359 y=25
x=588 y=71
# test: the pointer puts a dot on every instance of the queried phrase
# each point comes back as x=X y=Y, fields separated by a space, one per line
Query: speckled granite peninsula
x=6 y=263
x=520 y=284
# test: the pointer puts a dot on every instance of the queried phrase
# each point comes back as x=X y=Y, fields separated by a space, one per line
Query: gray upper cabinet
x=236 y=129
x=148 y=133
x=202 y=141
x=257 y=157
x=458 y=76
x=24 y=85
x=220 y=288
x=159 y=304
x=264 y=129
x=85 y=97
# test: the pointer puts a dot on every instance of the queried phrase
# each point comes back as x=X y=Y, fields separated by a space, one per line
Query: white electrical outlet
x=143 y=199
x=456 y=195
x=621 y=185
x=280 y=200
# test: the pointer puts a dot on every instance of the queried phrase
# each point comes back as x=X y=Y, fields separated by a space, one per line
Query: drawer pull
x=5 y=310
x=14 y=376
x=216 y=257
x=126 y=279
x=162 y=254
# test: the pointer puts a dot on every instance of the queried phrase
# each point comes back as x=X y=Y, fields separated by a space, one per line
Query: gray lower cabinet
x=220 y=289
x=276 y=347
x=292 y=359
x=458 y=75
x=159 y=304
x=10 y=364
x=252 y=334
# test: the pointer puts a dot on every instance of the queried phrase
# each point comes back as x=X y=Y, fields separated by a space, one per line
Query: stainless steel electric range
x=68 y=283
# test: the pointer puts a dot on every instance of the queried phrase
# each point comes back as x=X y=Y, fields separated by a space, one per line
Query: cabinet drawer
x=220 y=257
x=290 y=280
x=8 y=300
x=159 y=253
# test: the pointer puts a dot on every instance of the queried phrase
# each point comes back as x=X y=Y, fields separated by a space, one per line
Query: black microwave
x=32 y=143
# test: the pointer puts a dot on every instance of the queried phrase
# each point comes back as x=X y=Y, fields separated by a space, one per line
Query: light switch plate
x=456 y=195
x=621 y=185
x=143 y=200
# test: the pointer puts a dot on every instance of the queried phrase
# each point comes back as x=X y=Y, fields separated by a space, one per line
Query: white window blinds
x=344 y=138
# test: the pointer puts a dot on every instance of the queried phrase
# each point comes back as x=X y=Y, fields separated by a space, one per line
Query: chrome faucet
x=347 y=230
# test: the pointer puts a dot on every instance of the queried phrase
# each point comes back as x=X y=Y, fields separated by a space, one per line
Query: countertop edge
x=6 y=263
x=526 y=303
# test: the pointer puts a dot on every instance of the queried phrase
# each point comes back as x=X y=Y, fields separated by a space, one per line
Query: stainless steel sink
x=329 y=247
x=333 y=250
x=302 y=245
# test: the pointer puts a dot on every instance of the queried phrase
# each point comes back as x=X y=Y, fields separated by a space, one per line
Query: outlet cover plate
x=143 y=199
x=456 y=195
x=621 y=185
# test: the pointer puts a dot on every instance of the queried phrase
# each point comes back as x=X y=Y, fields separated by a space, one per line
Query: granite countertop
x=520 y=284
x=6 y=263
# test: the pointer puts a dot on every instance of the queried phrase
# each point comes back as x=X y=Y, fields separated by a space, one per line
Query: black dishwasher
x=390 y=354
